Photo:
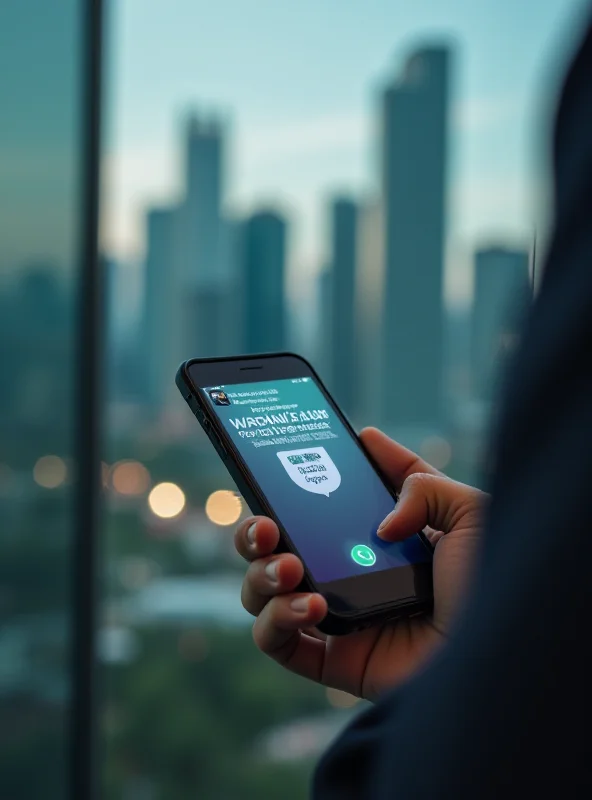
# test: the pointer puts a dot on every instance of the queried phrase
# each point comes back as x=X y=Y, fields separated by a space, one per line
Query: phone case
x=334 y=624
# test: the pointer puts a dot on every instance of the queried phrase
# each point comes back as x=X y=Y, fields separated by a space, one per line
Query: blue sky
x=299 y=83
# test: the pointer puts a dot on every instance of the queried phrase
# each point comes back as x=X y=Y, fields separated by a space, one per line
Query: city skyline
x=240 y=150
x=222 y=278
x=206 y=225
x=195 y=266
x=315 y=138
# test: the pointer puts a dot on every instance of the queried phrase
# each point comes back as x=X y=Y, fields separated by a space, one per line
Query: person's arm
x=504 y=708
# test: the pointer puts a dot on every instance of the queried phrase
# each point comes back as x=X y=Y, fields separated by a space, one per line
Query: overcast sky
x=299 y=83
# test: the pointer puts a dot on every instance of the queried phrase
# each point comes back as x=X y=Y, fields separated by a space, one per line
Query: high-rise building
x=369 y=345
x=264 y=278
x=202 y=251
x=202 y=208
x=190 y=283
x=414 y=150
x=162 y=297
x=322 y=338
x=338 y=309
x=124 y=350
x=502 y=289
x=36 y=354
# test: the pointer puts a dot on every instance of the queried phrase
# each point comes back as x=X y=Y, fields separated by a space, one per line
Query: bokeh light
x=130 y=478
x=339 y=699
x=50 y=471
x=166 y=500
x=223 y=507
x=436 y=450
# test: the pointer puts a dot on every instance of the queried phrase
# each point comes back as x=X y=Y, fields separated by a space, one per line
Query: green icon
x=363 y=555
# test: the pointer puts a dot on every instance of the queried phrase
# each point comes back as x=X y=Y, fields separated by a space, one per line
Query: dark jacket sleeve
x=505 y=708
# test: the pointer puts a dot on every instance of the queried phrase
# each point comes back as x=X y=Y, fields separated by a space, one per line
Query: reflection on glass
x=40 y=95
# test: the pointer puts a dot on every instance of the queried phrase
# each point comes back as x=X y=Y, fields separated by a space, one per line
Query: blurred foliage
x=183 y=723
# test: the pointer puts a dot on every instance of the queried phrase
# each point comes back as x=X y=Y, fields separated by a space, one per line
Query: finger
x=432 y=535
x=424 y=500
x=396 y=461
x=315 y=633
x=267 y=577
x=278 y=633
x=256 y=537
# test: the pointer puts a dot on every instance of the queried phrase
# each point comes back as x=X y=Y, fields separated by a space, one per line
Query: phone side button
x=193 y=405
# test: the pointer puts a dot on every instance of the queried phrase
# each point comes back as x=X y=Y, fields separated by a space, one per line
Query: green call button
x=363 y=555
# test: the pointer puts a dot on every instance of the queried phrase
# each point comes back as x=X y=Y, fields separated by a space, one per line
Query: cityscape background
x=374 y=317
x=361 y=185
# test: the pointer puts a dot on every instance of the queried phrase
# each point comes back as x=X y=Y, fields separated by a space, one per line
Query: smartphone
x=295 y=458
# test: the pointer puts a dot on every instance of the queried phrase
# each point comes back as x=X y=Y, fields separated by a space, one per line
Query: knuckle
x=251 y=598
x=271 y=612
x=418 y=481
x=276 y=613
x=255 y=577
x=257 y=636
x=261 y=633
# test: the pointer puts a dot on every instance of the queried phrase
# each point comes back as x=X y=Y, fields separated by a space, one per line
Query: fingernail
x=300 y=604
x=385 y=521
x=271 y=570
x=251 y=533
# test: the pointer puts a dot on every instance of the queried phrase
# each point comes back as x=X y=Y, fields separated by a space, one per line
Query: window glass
x=362 y=183
x=40 y=201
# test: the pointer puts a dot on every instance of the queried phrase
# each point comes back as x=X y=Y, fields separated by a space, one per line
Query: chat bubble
x=312 y=469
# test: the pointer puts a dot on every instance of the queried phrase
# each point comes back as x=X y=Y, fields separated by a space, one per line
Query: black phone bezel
x=389 y=592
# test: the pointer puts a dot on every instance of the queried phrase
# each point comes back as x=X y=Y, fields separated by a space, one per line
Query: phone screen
x=324 y=491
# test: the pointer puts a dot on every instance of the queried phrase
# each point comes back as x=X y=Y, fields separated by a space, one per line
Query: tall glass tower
x=414 y=152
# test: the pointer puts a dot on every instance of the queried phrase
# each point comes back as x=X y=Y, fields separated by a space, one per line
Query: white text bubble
x=312 y=469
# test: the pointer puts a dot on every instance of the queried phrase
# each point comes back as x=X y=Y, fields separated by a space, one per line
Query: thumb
x=425 y=499
x=394 y=460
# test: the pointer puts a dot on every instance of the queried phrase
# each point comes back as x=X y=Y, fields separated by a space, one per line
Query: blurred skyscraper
x=415 y=139
x=127 y=363
x=322 y=347
x=502 y=289
x=162 y=297
x=369 y=310
x=190 y=282
x=264 y=277
x=203 y=200
x=202 y=248
x=337 y=308
x=37 y=354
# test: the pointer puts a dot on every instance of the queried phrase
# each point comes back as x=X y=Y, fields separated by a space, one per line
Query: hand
x=367 y=662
